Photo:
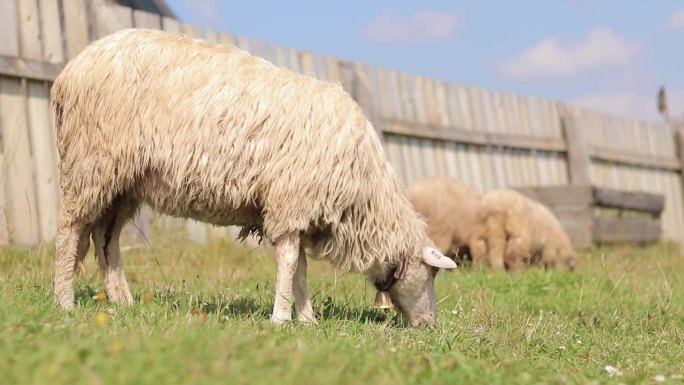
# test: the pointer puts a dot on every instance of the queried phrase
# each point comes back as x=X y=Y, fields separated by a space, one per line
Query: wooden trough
x=602 y=215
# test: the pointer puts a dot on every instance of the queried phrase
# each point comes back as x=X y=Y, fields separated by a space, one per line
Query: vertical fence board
x=407 y=103
x=51 y=31
x=29 y=25
x=9 y=28
x=190 y=31
x=142 y=19
x=44 y=155
x=211 y=35
x=256 y=47
x=75 y=26
x=22 y=215
x=293 y=60
x=110 y=18
x=226 y=38
x=170 y=24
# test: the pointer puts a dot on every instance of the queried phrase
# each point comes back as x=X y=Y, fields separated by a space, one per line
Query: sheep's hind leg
x=106 y=240
x=287 y=255
x=66 y=249
x=83 y=245
x=303 y=308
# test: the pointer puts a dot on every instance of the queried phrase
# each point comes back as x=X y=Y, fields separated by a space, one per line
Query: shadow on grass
x=330 y=310
x=257 y=307
x=247 y=306
x=84 y=294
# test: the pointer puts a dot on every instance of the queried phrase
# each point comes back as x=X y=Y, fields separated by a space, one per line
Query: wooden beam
x=629 y=200
x=456 y=134
x=577 y=223
x=579 y=196
x=630 y=229
x=30 y=69
x=635 y=159
x=580 y=154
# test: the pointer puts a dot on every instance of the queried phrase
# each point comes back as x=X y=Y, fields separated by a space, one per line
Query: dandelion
x=115 y=347
x=101 y=318
x=659 y=378
x=100 y=296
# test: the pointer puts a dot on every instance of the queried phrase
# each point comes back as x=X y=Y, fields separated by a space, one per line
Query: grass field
x=201 y=317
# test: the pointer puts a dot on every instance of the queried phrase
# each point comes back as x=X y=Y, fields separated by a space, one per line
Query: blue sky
x=609 y=55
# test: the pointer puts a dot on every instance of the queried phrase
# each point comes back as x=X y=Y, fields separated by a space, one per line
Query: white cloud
x=390 y=27
x=676 y=21
x=600 y=49
x=641 y=105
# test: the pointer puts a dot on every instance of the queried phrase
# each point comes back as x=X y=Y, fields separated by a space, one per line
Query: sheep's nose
x=428 y=321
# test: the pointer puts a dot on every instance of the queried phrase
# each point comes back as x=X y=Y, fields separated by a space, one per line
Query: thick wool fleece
x=210 y=132
x=451 y=211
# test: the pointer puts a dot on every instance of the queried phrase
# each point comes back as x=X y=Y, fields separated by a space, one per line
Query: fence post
x=357 y=83
x=579 y=156
x=679 y=140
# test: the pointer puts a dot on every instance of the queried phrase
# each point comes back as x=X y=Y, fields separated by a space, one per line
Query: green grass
x=201 y=317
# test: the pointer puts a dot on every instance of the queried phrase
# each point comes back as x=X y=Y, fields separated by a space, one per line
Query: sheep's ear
x=433 y=257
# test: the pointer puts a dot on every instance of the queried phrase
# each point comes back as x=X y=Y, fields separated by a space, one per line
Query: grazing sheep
x=451 y=211
x=519 y=231
x=207 y=131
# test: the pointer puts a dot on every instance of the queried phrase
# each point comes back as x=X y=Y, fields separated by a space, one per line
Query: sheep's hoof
x=276 y=321
x=308 y=321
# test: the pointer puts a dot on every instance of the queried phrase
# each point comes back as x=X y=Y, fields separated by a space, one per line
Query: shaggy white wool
x=210 y=132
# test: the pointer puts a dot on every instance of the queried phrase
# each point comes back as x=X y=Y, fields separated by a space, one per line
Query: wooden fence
x=487 y=138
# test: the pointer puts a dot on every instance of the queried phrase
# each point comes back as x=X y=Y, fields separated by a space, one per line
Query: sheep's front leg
x=287 y=255
x=305 y=313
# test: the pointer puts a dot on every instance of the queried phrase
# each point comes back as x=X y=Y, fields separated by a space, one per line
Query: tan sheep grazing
x=209 y=132
x=451 y=211
x=519 y=231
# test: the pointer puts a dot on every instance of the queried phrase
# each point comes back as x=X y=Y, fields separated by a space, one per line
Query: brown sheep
x=451 y=211
x=519 y=231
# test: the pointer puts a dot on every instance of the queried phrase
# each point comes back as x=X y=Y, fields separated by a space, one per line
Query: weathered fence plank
x=29 y=23
x=110 y=18
x=142 y=19
x=75 y=26
x=44 y=157
x=31 y=69
x=170 y=25
x=9 y=28
x=629 y=229
x=51 y=31
x=21 y=211
x=578 y=151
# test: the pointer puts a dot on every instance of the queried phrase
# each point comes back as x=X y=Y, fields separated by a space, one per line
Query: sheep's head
x=411 y=286
x=570 y=260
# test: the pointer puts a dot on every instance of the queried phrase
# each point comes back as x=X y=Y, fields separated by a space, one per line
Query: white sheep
x=451 y=211
x=518 y=231
x=209 y=132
